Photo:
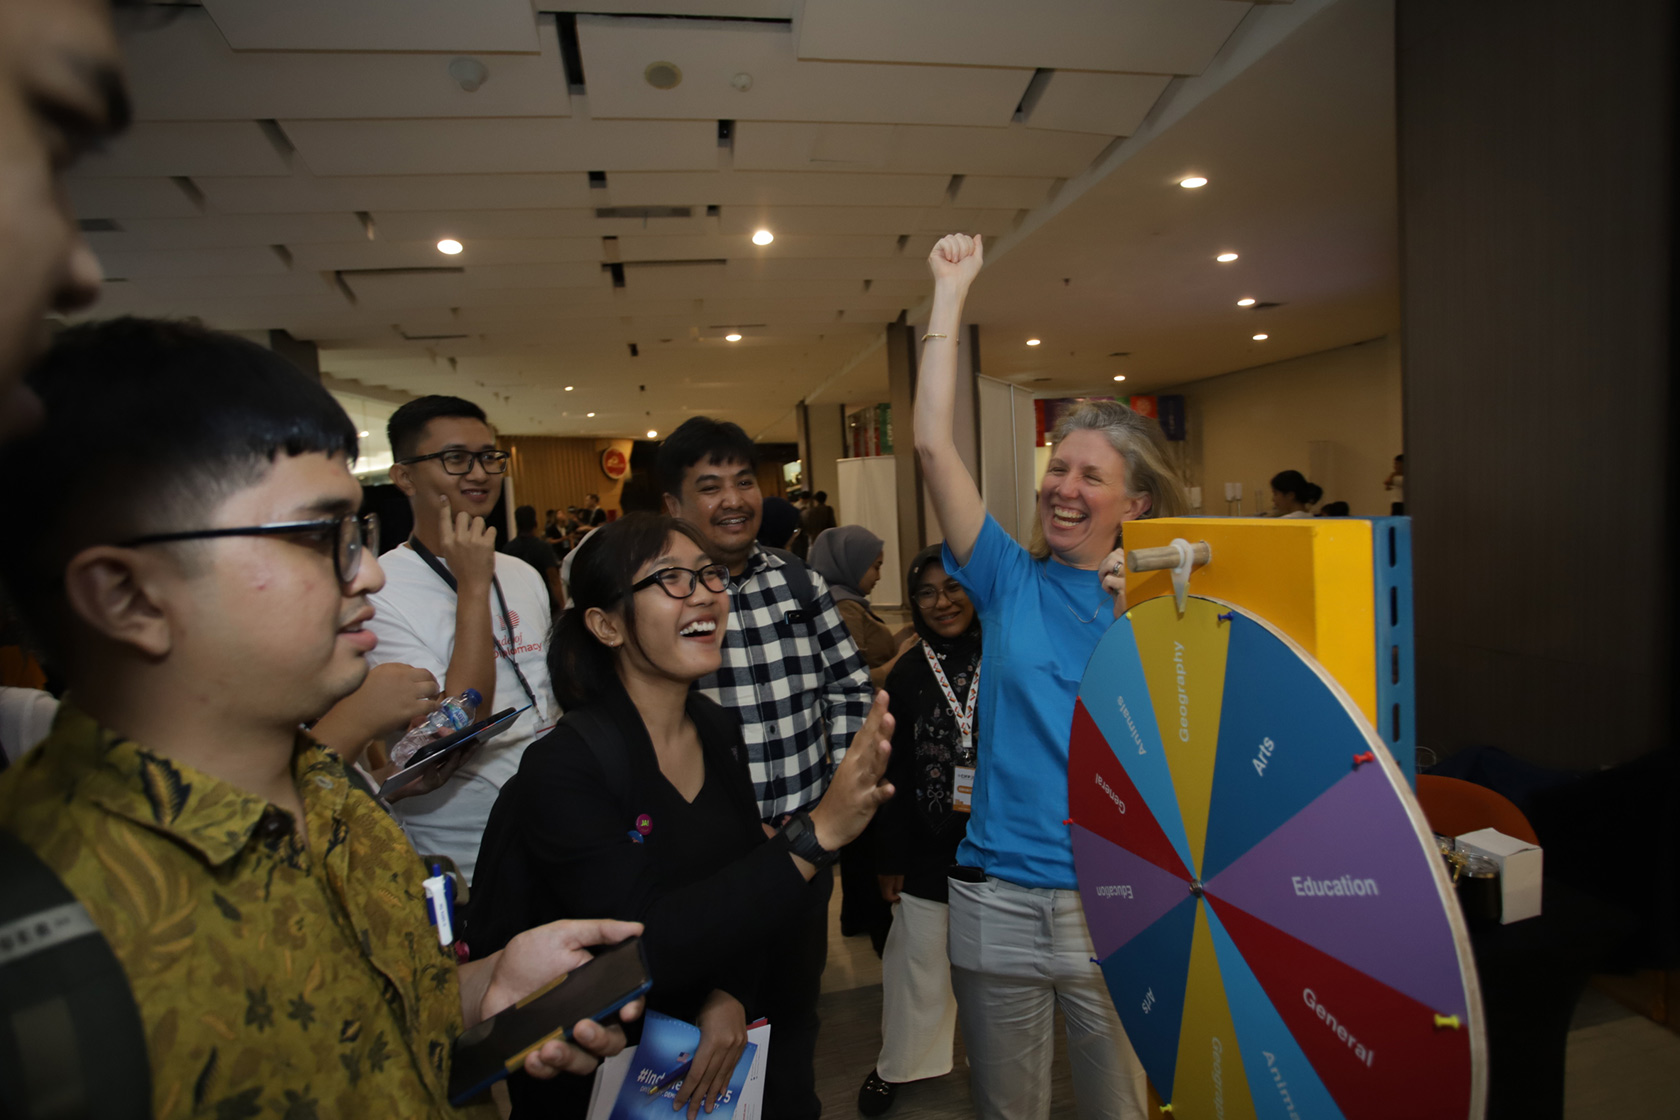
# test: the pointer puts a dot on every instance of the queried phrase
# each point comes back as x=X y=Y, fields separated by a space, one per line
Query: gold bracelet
x=930 y=334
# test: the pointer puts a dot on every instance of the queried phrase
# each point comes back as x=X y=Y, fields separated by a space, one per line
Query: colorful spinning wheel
x=1265 y=899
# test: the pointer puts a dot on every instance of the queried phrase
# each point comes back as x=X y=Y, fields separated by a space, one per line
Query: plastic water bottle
x=452 y=715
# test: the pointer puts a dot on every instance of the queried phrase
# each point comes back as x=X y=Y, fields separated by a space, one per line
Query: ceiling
x=294 y=166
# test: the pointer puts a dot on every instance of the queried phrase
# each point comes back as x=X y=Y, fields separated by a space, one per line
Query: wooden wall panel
x=552 y=472
x=1536 y=153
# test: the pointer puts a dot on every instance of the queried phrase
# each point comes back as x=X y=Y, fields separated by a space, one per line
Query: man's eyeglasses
x=679 y=583
x=351 y=536
x=457 y=461
x=927 y=596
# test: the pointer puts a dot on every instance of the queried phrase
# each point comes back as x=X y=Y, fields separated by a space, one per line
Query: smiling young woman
x=1018 y=940
x=639 y=802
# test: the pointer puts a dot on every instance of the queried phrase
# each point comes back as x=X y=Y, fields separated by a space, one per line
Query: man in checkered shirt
x=793 y=674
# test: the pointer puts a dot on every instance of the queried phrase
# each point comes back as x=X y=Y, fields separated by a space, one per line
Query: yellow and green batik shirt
x=273 y=979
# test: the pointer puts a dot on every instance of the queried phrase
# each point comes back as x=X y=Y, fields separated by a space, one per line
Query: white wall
x=1334 y=416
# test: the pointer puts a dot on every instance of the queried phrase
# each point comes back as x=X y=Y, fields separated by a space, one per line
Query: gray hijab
x=842 y=556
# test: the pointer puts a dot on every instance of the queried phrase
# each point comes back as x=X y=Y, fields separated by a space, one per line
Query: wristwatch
x=802 y=840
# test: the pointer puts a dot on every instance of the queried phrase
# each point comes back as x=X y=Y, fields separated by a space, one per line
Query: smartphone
x=486 y=728
x=595 y=990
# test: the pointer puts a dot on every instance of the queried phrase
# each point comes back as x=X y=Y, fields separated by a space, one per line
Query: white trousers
x=1018 y=953
x=918 y=1008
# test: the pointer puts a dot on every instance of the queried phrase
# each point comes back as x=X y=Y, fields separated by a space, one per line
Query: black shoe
x=876 y=1096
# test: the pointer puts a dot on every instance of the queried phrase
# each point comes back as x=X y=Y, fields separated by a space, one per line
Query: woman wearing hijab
x=849 y=558
x=931 y=693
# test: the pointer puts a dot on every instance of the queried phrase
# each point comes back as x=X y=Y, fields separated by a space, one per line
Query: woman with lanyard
x=1018 y=943
x=933 y=691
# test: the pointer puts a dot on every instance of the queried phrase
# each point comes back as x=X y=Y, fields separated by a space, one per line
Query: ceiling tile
x=1110 y=104
x=502 y=145
x=798 y=188
x=376 y=25
x=129 y=198
x=160 y=148
x=891 y=220
x=306 y=193
x=184 y=69
x=1131 y=36
x=219 y=231
x=983 y=191
x=255 y=261
x=710 y=54
x=421 y=225
x=775 y=146
x=424 y=254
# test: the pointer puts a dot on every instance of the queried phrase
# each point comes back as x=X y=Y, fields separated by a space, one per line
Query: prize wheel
x=1263 y=894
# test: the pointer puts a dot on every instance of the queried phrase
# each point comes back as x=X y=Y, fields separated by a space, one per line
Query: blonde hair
x=1141 y=445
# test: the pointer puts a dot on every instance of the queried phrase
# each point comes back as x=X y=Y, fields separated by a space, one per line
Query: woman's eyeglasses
x=927 y=596
x=352 y=535
x=679 y=583
x=457 y=461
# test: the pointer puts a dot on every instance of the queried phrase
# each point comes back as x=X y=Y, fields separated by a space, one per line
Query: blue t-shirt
x=1040 y=622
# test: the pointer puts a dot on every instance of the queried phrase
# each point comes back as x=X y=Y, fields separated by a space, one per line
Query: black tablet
x=485 y=728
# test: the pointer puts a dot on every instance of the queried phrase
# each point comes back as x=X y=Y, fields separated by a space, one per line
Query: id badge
x=962 y=789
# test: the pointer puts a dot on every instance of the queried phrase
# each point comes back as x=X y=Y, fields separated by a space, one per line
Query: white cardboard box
x=1519 y=870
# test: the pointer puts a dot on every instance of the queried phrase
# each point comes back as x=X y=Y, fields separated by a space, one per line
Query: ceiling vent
x=644 y=212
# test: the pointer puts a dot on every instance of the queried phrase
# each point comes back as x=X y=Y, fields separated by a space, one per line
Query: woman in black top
x=932 y=766
x=638 y=804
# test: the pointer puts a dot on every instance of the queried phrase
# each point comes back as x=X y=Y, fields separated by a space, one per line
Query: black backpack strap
x=798 y=577
x=72 y=1043
x=606 y=743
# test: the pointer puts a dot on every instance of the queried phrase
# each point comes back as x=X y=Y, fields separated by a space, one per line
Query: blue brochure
x=662 y=1061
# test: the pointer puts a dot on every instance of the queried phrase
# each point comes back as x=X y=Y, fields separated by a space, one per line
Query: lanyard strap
x=448 y=577
x=964 y=713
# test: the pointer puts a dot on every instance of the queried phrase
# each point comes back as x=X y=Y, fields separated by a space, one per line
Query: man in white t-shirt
x=453 y=605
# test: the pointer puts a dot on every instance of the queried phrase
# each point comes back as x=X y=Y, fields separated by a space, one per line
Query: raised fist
x=956 y=259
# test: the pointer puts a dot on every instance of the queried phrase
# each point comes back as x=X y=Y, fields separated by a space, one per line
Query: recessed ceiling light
x=449 y=245
x=361 y=435
x=1246 y=301
x=663 y=75
x=1192 y=182
x=1032 y=342
x=1119 y=377
x=763 y=237
x=732 y=337
x=589 y=414
x=652 y=434
x=1261 y=337
x=1225 y=258
x=569 y=388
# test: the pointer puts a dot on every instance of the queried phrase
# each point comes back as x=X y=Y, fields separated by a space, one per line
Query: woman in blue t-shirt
x=1018 y=942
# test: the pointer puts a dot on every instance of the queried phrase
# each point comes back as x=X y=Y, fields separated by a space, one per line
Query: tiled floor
x=1620 y=1066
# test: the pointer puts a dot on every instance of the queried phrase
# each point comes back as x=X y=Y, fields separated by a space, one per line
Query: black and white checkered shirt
x=797 y=682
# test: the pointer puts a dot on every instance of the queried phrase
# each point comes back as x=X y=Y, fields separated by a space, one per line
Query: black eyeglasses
x=353 y=536
x=457 y=461
x=679 y=583
x=927 y=596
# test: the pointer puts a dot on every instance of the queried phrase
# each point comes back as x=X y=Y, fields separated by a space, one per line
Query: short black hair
x=641 y=493
x=408 y=423
x=702 y=439
x=603 y=568
x=150 y=424
x=593 y=497
x=525 y=519
x=822 y=497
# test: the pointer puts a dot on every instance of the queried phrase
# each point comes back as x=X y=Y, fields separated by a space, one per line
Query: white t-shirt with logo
x=414 y=619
